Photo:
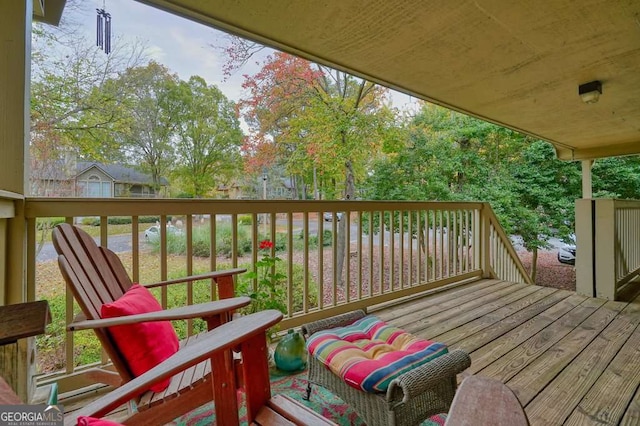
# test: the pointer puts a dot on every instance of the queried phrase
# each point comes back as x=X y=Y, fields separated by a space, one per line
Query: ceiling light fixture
x=590 y=92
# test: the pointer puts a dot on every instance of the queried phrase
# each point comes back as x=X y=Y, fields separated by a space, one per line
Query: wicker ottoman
x=410 y=398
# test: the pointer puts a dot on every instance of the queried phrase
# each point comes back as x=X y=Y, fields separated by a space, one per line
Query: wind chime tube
x=99 y=28
x=107 y=42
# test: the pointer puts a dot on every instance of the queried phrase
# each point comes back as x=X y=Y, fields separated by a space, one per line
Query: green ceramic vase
x=291 y=352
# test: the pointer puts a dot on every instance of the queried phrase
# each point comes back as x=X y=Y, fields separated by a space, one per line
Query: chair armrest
x=201 y=310
x=422 y=378
x=206 y=275
x=331 y=322
x=225 y=337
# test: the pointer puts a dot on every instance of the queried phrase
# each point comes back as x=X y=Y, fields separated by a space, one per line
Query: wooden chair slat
x=75 y=275
x=104 y=280
x=118 y=270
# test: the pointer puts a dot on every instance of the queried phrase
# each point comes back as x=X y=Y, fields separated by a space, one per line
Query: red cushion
x=146 y=344
x=92 y=421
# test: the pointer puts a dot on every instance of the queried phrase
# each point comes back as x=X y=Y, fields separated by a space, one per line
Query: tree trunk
x=342 y=244
x=534 y=264
x=316 y=194
x=295 y=193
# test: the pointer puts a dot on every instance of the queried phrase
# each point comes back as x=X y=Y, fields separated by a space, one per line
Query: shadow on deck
x=570 y=359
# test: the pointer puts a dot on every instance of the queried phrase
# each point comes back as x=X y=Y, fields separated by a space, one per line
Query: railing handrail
x=49 y=207
x=506 y=241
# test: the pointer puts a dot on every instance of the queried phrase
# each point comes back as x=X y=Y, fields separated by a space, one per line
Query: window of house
x=94 y=187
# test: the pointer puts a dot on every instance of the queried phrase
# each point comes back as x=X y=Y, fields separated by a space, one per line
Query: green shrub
x=148 y=219
x=327 y=239
x=119 y=220
x=177 y=244
x=261 y=299
x=245 y=220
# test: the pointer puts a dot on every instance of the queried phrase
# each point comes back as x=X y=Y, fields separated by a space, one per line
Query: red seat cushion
x=92 y=421
x=143 y=345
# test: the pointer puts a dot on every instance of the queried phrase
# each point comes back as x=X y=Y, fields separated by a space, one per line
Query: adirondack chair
x=96 y=276
x=247 y=335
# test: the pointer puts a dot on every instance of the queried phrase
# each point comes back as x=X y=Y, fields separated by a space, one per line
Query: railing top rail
x=45 y=207
x=8 y=195
x=507 y=242
x=626 y=204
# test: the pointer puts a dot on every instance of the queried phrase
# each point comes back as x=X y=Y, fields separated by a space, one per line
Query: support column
x=587 y=187
x=15 y=64
x=585 y=267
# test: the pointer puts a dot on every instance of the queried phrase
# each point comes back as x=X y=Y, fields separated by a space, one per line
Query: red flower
x=266 y=244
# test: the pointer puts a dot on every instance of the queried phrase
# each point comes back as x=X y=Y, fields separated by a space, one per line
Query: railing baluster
x=381 y=251
x=428 y=258
x=305 y=227
x=189 y=254
x=213 y=249
x=419 y=242
x=347 y=255
x=371 y=218
x=334 y=259
x=359 y=248
x=392 y=247
x=163 y=259
x=135 y=249
x=410 y=281
x=320 y=227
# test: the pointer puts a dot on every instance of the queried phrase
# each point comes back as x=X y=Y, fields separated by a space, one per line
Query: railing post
x=605 y=249
x=485 y=244
x=585 y=260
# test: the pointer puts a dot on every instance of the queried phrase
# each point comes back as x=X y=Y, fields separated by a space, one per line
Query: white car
x=328 y=216
x=154 y=232
x=567 y=252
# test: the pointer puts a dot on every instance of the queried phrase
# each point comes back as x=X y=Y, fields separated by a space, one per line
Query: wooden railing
x=608 y=246
x=504 y=261
x=627 y=241
x=382 y=251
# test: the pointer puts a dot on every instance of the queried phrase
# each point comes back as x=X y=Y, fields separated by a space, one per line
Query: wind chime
x=103 y=30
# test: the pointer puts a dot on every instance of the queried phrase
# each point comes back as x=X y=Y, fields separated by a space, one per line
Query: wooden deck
x=570 y=359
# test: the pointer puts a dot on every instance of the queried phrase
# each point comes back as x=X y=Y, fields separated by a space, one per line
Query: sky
x=183 y=46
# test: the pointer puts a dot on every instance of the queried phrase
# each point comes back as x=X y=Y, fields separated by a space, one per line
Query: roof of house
x=119 y=173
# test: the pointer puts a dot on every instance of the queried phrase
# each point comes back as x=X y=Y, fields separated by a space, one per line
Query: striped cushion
x=369 y=353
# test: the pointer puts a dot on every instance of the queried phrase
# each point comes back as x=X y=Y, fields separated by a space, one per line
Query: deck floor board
x=570 y=359
x=608 y=398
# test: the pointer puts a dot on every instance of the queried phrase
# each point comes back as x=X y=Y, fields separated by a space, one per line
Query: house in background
x=97 y=180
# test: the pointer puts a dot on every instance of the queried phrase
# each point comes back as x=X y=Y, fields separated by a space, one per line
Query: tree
x=449 y=156
x=617 y=177
x=327 y=124
x=151 y=105
x=208 y=136
x=68 y=103
x=546 y=188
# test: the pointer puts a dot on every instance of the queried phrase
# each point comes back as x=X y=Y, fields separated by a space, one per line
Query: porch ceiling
x=517 y=64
